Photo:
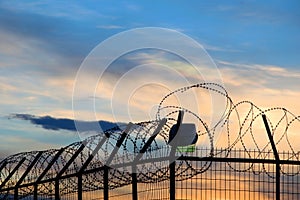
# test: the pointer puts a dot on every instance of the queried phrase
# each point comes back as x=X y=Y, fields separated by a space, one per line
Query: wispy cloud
x=256 y=82
x=133 y=7
x=110 y=27
x=74 y=11
x=219 y=48
x=267 y=85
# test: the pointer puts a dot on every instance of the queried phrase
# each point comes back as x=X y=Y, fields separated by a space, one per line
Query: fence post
x=79 y=185
x=172 y=160
x=140 y=155
x=35 y=192
x=172 y=167
x=111 y=157
x=275 y=155
x=17 y=185
x=56 y=189
x=172 y=181
x=65 y=167
x=105 y=182
x=10 y=175
x=16 y=193
x=134 y=183
x=54 y=159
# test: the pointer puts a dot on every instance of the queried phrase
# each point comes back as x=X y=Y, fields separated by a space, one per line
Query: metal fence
x=138 y=161
x=231 y=175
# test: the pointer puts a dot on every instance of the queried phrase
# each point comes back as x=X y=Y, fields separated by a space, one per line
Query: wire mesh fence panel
x=154 y=191
x=68 y=188
x=225 y=176
x=93 y=195
x=123 y=192
x=46 y=190
x=220 y=181
x=290 y=182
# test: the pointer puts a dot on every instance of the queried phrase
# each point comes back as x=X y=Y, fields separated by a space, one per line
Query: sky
x=43 y=44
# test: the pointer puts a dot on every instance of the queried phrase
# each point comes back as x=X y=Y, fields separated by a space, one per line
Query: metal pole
x=275 y=155
x=35 y=192
x=172 y=167
x=57 y=197
x=54 y=159
x=111 y=157
x=26 y=173
x=105 y=183
x=140 y=155
x=79 y=185
x=172 y=159
x=134 y=184
x=16 y=193
x=277 y=181
x=172 y=181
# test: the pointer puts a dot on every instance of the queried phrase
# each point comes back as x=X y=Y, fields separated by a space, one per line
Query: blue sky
x=255 y=44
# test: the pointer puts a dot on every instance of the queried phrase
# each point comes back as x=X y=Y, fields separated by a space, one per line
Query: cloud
x=56 y=124
x=155 y=74
x=255 y=82
x=210 y=47
x=52 y=38
x=260 y=80
x=59 y=10
x=133 y=7
x=110 y=27
x=259 y=12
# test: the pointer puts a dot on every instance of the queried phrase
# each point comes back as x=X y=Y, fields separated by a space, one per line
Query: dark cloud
x=51 y=123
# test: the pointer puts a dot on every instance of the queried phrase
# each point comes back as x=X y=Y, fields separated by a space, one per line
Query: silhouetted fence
x=142 y=161
x=230 y=175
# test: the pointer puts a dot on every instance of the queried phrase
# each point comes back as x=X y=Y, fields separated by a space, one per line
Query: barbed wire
x=239 y=126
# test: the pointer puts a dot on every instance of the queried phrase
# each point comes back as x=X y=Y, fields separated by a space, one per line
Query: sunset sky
x=254 y=44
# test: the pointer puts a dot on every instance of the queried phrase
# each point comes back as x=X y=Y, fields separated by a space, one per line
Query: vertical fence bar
x=54 y=159
x=134 y=184
x=84 y=166
x=65 y=167
x=111 y=157
x=140 y=155
x=16 y=190
x=79 y=185
x=87 y=162
x=172 y=160
x=275 y=155
x=277 y=181
x=35 y=192
x=172 y=168
x=172 y=181
x=56 y=189
x=105 y=183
